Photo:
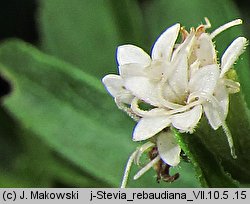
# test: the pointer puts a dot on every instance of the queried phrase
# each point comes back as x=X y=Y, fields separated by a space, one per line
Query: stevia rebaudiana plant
x=179 y=83
x=59 y=121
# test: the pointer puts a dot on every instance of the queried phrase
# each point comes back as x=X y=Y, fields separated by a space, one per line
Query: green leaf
x=72 y=113
x=208 y=168
x=88 y=32
x=27 y=162
x=10 y=144
x=129 y=21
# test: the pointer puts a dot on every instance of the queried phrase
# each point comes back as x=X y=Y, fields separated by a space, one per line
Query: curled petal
x=164 y=45
x=205 y=79
x=127 y=54
x=232 y=53
x=168 y=148
x=187 y=121
x=144 y=89
x=149 y=126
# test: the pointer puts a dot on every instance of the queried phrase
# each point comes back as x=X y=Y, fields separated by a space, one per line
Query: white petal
x=212 y=115
x=168 y=148
x=232 y=53
x=157 y=69
x=222 y=96
x=125 y=97
x=184 y=47
x=164 y=45
x=205 y=79
x=187 y=121
x=144 y=89
x=127 y=54
x=131 y=70
x=115 y=86
x=205 y=51
x=149 y=126
x=217 y=110
x=194 y=67
x=179 y=78
x=168 y=93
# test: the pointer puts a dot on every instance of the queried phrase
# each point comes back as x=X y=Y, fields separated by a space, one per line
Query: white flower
x=134 y=62
x=179 y=82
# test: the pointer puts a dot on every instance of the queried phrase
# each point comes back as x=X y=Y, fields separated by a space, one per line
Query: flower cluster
x=174 y=86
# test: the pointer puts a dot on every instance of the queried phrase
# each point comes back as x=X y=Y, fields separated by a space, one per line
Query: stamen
x=135 y=108
x=225 y=129
x=225 y=27
x=134 y=157
x=142 y=113
x=229 y=139
x=147 y=167
x=141 y=150
x=208 y=24
x=128 y=169
x=184 y=108
x=124 y=108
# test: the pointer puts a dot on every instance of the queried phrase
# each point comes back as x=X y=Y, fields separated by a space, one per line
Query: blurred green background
x=58 y=126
